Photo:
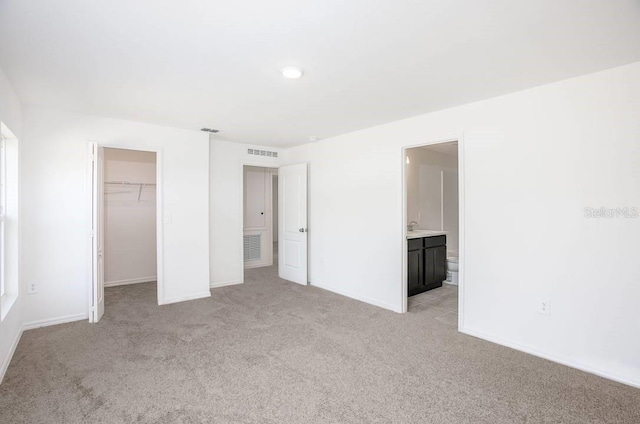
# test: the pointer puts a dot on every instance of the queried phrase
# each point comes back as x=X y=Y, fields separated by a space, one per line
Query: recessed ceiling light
x=291 y=72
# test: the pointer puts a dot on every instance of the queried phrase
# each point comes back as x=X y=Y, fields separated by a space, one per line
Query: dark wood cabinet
x=416 y=271
x=427 y=263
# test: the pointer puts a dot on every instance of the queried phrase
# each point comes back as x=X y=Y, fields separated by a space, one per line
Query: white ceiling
x=196 y=63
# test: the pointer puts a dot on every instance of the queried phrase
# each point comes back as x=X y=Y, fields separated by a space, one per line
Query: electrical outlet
x=32 y=288
x=544 y=307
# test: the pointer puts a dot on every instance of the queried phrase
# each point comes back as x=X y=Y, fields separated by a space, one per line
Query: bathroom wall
x=130 y=217
x=432 y=192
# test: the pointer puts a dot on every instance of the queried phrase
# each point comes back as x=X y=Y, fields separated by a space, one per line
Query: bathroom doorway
x=431 y=224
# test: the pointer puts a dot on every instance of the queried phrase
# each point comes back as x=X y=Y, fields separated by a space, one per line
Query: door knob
x=301 y=230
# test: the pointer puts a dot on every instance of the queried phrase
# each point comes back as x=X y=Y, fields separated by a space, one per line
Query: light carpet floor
x=269 y=351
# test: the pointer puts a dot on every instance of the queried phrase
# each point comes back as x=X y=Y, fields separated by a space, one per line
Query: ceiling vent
x=257 y=152
x=210 y=130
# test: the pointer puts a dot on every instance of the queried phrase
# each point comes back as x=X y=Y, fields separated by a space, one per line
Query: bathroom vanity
x=427 y=260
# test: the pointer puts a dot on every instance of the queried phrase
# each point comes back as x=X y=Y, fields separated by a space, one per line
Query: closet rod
x=125 y=183
x=128 y=183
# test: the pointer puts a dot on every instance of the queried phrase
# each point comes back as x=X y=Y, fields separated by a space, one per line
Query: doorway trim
x=461 y=222
x=242 y=165
x=159 y=215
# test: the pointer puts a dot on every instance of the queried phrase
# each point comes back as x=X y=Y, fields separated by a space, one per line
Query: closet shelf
x=126 y=184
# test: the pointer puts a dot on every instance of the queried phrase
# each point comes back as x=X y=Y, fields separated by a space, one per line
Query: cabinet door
x=440 y=263
x=435 y=267
x=429 y=266
x=415 y=259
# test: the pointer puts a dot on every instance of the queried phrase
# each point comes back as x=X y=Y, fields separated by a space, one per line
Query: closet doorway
x=124 y=225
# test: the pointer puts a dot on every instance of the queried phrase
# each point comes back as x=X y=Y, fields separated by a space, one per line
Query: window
x=3 y=201
x=9 y=285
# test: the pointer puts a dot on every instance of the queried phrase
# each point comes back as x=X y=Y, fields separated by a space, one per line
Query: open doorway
x=274 y=231
x=260 y=216
x=432 y=230
x=124 y=226
x=130 y=217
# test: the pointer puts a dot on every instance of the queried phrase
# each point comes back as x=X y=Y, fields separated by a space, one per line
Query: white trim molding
x=54 y=321
x=131 y=281
x=195 y=296
x=364 y=299
x=224 y=284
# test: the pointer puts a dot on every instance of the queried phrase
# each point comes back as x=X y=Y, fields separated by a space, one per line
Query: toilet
x=452 y=268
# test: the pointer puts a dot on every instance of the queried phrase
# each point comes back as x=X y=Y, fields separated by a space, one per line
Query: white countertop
x=424 y=233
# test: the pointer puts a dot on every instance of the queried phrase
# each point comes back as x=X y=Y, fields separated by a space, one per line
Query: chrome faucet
x=410 y=225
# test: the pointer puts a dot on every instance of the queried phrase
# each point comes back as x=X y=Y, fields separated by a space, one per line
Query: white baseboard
x=550 y=357
x=251 y=265
x=54 y=321
x=224 y=284
x=185 y=298
x=364 y=299
x=12 y=350
x=130 y=281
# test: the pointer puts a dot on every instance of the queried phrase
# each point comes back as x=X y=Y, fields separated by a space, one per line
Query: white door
x=97 y=232
x=292 y=223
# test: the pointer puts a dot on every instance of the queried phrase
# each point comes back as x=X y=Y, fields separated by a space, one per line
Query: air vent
x=257 y=152
x=252 y=247
x=210 y=130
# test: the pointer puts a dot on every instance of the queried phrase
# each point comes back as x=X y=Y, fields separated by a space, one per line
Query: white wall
x=226 y=209
x=56 y=212
x=130 y=217
x=11 y=116
x=533 y=161
x=432 y=192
